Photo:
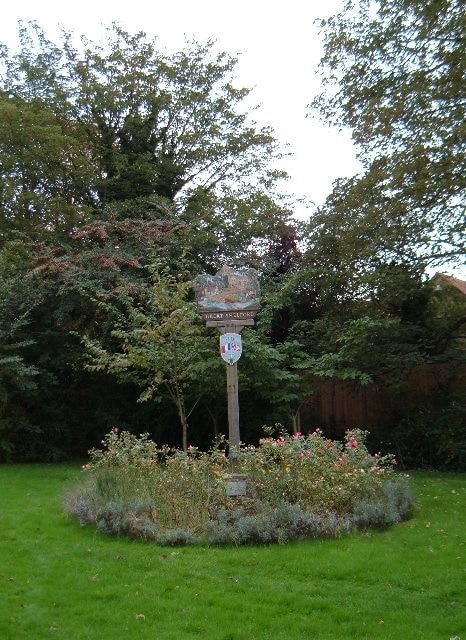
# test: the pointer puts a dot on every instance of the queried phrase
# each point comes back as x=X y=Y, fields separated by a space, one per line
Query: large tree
x=394 y=72
x=45 y=170
x=113 y=155
x=120 y=120
x=359 y=306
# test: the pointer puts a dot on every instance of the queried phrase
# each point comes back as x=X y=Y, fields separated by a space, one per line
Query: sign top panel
x=228 y=290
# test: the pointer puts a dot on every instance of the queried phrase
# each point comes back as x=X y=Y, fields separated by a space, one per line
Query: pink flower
x=393 y=461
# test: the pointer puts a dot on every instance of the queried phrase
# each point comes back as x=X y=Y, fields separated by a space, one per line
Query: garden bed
x=296 y=487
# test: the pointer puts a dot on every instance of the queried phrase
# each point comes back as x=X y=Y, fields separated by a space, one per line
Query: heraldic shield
x=231 y=347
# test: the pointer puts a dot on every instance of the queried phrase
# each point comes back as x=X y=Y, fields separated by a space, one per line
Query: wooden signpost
x=229 y=301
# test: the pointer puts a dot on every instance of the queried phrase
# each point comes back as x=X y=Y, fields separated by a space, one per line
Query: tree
x=112 y=126
x=18 y=377
x=148 y=122
x=114 y=155
x=46 y=172
x=163 y=346
x=394 y=73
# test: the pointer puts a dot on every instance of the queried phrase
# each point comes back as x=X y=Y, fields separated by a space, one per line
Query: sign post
x=231 y=349
x=229 y=301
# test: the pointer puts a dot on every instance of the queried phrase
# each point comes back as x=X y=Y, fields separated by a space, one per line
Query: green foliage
x=364 y=327
x=394 y=504
x=18 y=377
x=45 y=176
x=446 y=319
x=393 y=72
x=145 y=122
x=268 y=524
x=352 y=316
x=366 y=348
x=162 y=346
x=427 y=431
x=315 y=472
x=359 y=305
x=298 y=487
x=15 y=373
x=126 y=171
x=110 y=154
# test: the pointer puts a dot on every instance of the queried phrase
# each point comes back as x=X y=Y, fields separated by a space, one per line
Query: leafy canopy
x=394 y=73
x=116 y=120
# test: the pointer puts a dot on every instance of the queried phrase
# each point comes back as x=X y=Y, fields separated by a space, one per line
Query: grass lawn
x=60 y=580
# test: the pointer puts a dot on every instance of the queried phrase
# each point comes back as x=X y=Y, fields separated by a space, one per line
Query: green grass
x=59 y=580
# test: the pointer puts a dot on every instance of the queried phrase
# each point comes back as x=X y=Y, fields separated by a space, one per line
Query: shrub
x=391 y=505
x=79 y=504
x=315 y=472
x=298 y=487
x=175 y=537
x=269 y=524
x=136 y=519
x=428 y=432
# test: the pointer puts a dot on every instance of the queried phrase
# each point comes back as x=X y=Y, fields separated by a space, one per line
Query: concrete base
x=236 y=485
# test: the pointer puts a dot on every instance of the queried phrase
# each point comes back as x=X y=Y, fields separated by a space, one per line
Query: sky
x=279 y=49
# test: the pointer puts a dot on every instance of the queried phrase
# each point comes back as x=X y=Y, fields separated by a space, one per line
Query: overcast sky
x=279 y=46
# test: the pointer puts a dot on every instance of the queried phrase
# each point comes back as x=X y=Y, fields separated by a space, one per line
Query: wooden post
x=234 y=439
x=233 y=415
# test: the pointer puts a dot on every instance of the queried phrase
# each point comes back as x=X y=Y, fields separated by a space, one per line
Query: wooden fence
x=339 y=405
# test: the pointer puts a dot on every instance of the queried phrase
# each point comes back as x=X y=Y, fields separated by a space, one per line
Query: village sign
x=229 y=301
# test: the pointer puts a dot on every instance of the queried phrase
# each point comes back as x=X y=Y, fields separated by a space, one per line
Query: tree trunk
x=183 y=420
x=296 y=418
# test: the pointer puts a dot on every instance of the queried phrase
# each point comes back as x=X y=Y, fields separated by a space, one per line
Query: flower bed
x=297 y=487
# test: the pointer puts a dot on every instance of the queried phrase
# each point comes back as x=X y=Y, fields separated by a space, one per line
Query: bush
x=393 y=504
x=427 y=433
x=298 y=487
x=315 y=472
x=269 y=524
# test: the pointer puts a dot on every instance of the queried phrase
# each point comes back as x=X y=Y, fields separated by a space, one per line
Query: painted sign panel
x=229 y=290
x=231 y=347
